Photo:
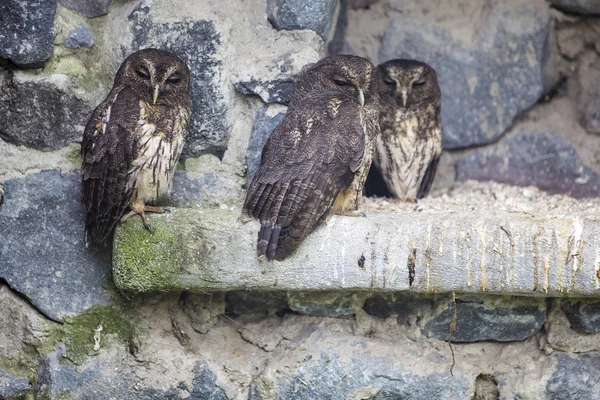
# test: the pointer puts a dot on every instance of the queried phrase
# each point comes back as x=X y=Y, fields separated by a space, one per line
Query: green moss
x=77 y=333
x=144 y=261
x=74 y=155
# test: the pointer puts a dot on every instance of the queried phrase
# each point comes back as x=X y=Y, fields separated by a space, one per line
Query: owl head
x=409 y=83
x=345 y=75
x=157 y=76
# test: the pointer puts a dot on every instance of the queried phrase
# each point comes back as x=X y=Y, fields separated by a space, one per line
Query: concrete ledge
x=471 y=252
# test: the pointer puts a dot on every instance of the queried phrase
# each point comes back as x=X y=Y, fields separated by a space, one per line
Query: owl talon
x=147 y=226
x=167 y=210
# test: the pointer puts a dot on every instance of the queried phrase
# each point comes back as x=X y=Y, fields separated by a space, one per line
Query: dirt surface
x=471 y=195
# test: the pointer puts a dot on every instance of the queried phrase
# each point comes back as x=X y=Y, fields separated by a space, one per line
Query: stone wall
x=521 y=106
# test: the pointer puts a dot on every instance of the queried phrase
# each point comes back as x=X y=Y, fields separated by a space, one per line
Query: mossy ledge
x=506 y=253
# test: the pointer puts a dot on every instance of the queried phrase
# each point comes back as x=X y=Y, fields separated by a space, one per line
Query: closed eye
x=389 y=81
x=419 y=83
x=340 y=82
x=173 y=79
x=143 y=73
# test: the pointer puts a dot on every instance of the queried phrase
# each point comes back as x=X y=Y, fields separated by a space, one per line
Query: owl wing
x=428 y=177
x=108 y=150
x=310 y=157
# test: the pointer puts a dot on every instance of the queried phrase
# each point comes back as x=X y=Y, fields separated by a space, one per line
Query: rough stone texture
x=588 y=100
x=208 y=189
x=336 y=377
x=317 y=15
x=42 y=251
x=27 y=31
x=562 y=336
x=203 y=309
x=12 y=386
x=22 y=329
x=195 y=42
x=399 y=304
x=488 y=61
x=42 y=111
x=89 y=8
x=541 y=159
x=582 y=314
x=99 y=379
x=333 y=304
x=246 y=302
x=265 y=122
x=578 y=6
x=464 y=251
x=491 y=318
x=80 y=36
x=575 y=379
x=275 y=91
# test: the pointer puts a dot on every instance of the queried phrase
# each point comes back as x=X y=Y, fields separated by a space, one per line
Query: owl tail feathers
x=268 y=236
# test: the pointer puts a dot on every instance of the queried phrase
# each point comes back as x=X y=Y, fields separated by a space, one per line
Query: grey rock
x=41 y=111
x=325 y=304
x=532 y=158
x=12 y=386
x=89 y=8
x=317 y=15
x=578 y=6
x=203 y=309
x=209 y=189
x=400 y=304
x=274 y=91
x=576 y=378
x=264 y=125
x=42 y=251
x=486 y=82
x=489 y=318
x=27 y=31
x=246 y=302
x=80 y=36
x=99 y=379
x=583 y=314
x=588 y=99
x=195 y=42
x=331 y=378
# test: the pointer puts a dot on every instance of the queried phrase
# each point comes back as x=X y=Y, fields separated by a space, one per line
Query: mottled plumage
x=318 y=157
x=410 y=140
x=133 y=140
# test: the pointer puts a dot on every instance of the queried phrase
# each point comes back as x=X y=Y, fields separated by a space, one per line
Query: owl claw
x=167 y=210
x=147 y=226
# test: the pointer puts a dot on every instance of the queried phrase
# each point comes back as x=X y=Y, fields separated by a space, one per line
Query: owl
x=317 y=159
x=409 y=144
x=133 y=140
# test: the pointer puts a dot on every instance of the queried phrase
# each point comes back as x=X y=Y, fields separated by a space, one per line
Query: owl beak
x=361 y=98
x=155 y=94
x=404 y=98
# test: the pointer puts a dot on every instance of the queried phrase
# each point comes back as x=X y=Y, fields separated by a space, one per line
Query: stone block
x=542 y=159
x=587 y=7
x=41 y=247
x=88 y=8
x=27 y=31
x=489 y=63
x=43 y=111
x=584 y=315
x=265 y=122
x=326 y=304
x=487 y=318
x=247 y=302
x=576 y=378
x=317 y=15
x=588 y=98
x=402 y=305
x=81 y=36
x=12 y=386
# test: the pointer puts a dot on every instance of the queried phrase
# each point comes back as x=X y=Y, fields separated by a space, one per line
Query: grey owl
x=133 y=140
x=410 y=141
x=317 y=159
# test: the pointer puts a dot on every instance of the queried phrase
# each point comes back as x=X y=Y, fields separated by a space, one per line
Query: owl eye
x=173 y=79
x=341 y=83
x=419 y=83
x=142 y=73
x=388 y=81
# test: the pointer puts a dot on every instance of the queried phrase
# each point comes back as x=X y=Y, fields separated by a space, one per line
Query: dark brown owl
x=133 y=140
x=410 y=140
x=318 y=157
